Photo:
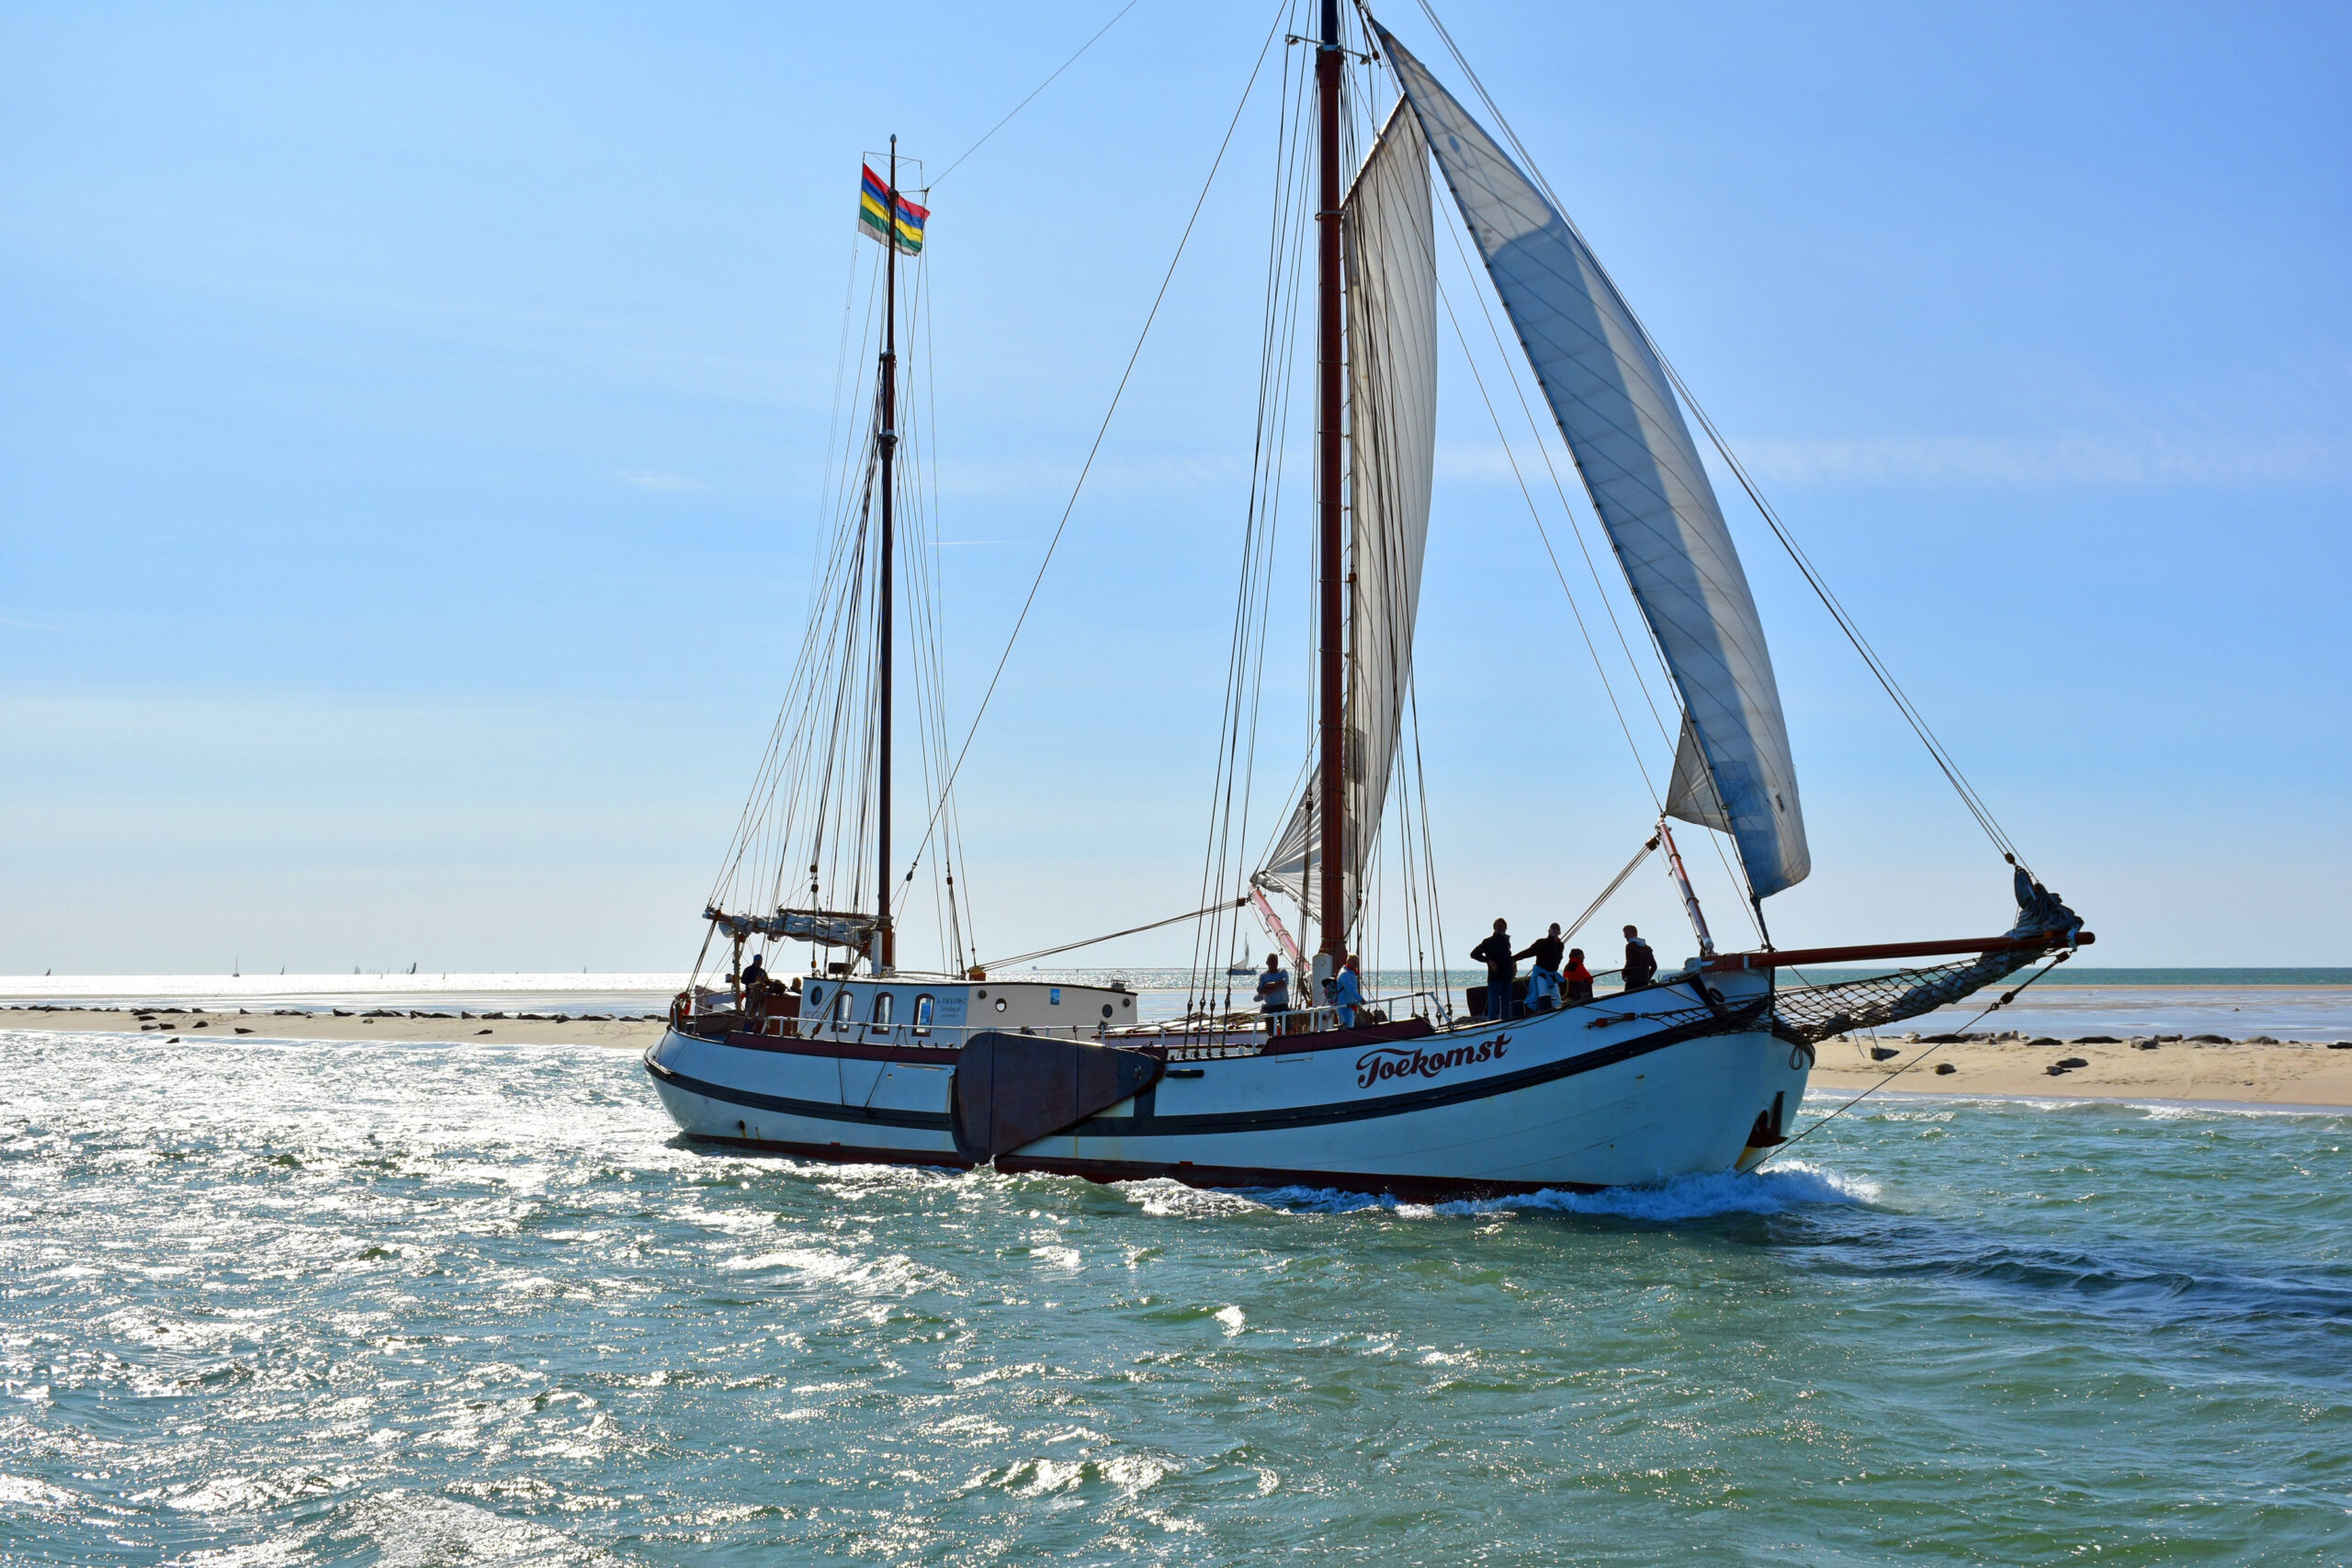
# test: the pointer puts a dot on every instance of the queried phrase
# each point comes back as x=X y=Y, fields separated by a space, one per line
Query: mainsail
x=1617 y=410
x=1390 y=229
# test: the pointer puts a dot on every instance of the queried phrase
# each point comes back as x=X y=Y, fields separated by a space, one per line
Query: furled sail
x=1617 y=410
x=1391 y=232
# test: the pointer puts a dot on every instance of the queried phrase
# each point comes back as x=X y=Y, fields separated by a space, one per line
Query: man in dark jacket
x=1641 y=963
x=1546 y=948
x=1502 y=970
x=753 y=980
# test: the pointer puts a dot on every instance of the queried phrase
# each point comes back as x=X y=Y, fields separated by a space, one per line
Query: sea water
x=271 y=1303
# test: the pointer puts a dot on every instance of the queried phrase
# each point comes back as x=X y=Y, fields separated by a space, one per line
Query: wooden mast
x=1331 y=728
x=887 y=438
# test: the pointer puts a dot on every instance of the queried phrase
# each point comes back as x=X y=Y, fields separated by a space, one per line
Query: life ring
x=682 y=1009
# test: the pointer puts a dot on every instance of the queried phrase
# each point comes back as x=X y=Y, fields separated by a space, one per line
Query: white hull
x=1614 y=1092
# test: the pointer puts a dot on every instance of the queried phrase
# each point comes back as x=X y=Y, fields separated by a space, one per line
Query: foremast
x=886 y=434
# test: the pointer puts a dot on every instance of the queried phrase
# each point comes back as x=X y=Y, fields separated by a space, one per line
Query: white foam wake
x=1794 y=1185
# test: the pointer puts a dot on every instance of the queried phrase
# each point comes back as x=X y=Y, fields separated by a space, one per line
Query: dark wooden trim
x=1794 y=957
x=1293 y=1045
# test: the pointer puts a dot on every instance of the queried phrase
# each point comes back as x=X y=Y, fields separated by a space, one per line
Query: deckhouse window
x=882 y=1009
x=842 y=1002
x=923 y=1005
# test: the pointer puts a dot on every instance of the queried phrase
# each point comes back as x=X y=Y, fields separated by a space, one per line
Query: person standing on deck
x=1273 y=987
x=1347 y=992
x=1641 y=963
x=1544 y=975
x=1502 y=970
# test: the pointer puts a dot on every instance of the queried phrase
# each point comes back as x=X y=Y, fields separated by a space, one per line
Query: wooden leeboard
x=1012 y=1090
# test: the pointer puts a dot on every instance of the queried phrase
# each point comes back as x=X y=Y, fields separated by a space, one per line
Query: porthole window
x=1106 y=1010
x=882 y=1009
x=923 y=1005
x=1000 y=1004
x=815 y=997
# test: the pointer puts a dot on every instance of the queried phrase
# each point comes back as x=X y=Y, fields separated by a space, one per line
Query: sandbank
x=2300 y=1073
x=629 y=1033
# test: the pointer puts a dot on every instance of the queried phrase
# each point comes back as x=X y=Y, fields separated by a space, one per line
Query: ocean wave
x=409 y=1530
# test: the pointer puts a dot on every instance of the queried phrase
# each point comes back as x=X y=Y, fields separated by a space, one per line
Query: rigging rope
x=1040 y=87
x=1232 y=778
x=1969 y=798
x=1611 y=891
x=1114 y=936
x=1054 y=543
x=2007 y=997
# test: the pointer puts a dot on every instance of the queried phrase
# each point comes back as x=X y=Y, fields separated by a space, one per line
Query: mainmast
x=887 y=437
x=1330 y=726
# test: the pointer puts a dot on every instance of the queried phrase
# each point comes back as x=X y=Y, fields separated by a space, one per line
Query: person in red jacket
x=1576 y=979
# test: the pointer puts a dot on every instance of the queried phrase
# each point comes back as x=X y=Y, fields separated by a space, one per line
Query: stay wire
x=1237 y=730
x=1105 y=428
x=1969 y=798
x=1736 y=876
x=2007 y=998
x=1114 y=936
x=1040 y=87
x=1525 y=494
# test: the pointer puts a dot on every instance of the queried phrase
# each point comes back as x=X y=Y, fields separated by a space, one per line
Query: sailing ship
x=856 y=1058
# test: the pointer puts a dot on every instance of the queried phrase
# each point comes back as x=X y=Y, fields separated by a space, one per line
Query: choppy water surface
x=292 y=1304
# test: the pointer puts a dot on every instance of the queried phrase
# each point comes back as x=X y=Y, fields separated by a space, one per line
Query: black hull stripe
x=1421 y=1099
x=1246 y=1120
x=818 y=1110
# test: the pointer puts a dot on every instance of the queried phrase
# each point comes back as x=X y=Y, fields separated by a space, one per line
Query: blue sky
x=411 y=417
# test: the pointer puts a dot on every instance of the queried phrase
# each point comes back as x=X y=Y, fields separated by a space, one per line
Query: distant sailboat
x=1700 y=1071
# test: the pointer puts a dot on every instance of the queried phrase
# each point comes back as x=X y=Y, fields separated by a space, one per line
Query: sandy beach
x=630 y=1032
x=2251 y=1072
x=2243 y=1071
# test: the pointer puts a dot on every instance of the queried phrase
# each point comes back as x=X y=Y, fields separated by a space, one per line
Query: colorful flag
x=873 y=200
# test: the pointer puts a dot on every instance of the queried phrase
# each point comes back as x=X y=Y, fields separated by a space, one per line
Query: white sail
x=1391 y=232
x=1618 y=413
